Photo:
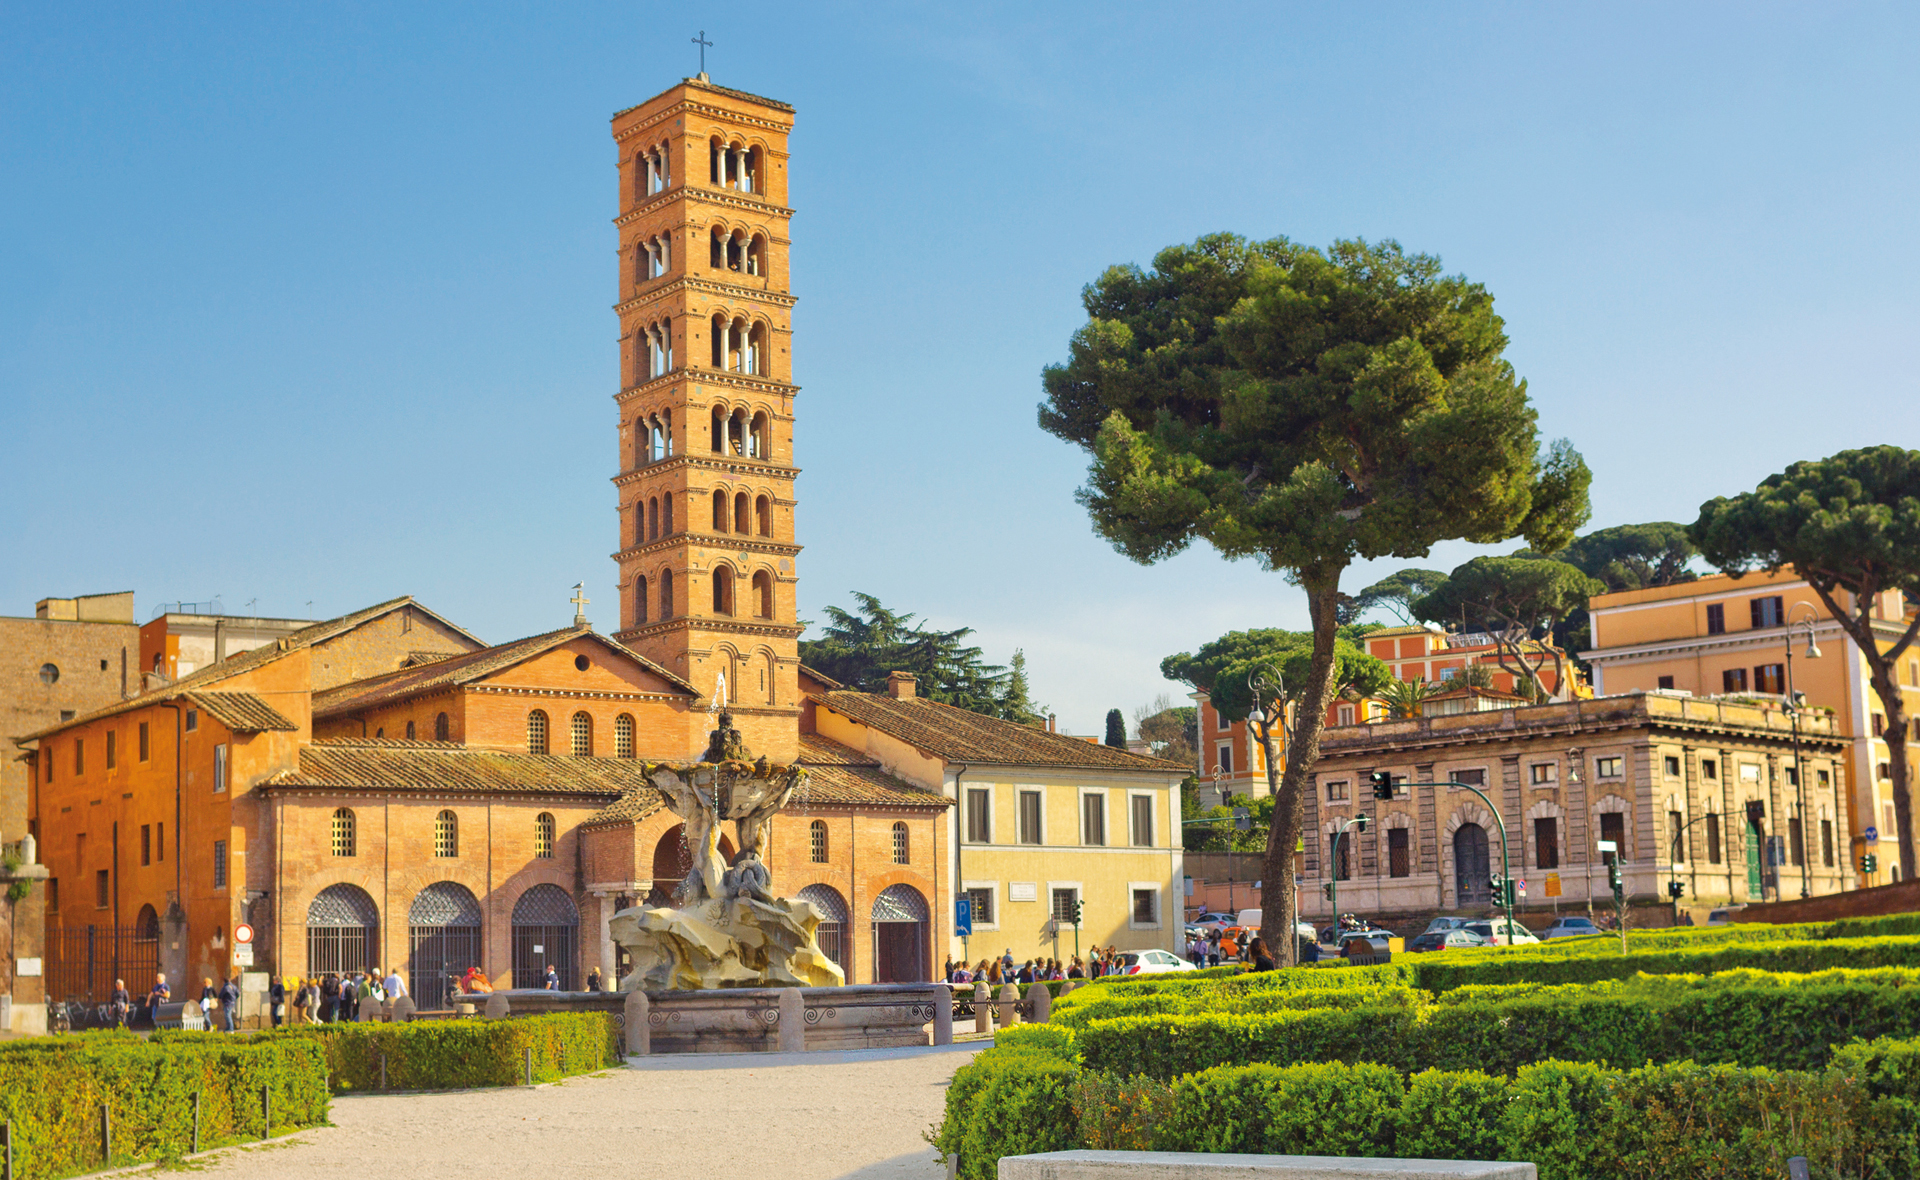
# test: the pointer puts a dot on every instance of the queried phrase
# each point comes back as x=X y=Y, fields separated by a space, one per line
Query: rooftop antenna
x=704 y=45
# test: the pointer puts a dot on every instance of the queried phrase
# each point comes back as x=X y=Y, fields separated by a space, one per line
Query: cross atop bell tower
x=705 y=484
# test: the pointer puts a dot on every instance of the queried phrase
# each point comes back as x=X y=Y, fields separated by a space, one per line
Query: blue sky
x=309 y=306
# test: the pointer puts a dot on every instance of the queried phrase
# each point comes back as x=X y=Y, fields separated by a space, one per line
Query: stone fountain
x=729 y=967
x=725 y=928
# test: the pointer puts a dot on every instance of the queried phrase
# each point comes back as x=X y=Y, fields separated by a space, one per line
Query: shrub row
x=52 y=1090
x=1754 y=1024
x=1858 y=1118
x=1237 y=1000
x=462 y=1054
x=1450 y=969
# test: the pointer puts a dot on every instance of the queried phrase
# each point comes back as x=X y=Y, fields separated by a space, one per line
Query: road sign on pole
x=963 y=916
x=243 y=933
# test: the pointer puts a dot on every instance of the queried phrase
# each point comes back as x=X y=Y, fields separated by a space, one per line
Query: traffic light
x=1504 y=891
x=1382 y=784
x=1676 y=890
x=1328 y=890
x=1360 y=823
x=1613 y=874
x=1077 y=906
x=1869 y=862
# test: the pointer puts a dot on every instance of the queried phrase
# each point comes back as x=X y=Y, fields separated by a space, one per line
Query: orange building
x=1747 y=637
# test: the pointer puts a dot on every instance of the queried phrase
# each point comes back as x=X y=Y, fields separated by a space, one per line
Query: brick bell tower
x=707 y=551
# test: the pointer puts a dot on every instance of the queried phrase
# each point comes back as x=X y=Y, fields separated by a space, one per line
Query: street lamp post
x=1333 y=868
x=1673 y=858
x=1794 y=700
x=1383 y=782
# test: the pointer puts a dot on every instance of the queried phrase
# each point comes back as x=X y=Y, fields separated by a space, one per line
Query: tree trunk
x=1880 y=671
x=1278 y=889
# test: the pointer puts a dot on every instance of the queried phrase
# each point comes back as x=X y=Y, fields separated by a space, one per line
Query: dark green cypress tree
x=1116 y=729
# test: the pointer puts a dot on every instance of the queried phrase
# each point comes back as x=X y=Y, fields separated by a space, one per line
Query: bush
x=1041 y=1038
x=1330 y=1109
x=1452 y=1116
x=1007 y=1102
x=1907 y=925
x=1112 y=1114
x=52 y=1088
x=1447 y=970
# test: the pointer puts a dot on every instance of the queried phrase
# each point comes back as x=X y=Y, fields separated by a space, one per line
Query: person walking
x=277 y=1001
x=207 y=997
x=330 y=998
x=593 y=980
x=229 y=1003
x=349 y=1001
x=553 y=979
x=312 y=993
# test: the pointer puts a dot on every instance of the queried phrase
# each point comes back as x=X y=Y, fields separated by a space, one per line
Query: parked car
x=1516 y=935
x=1725 y=916
x=1331 y=935
x=1353 y=940
x=1212 y=921
x=1570 y=927
x=1151 y=962
x=1442 y=924
x=1445 y=940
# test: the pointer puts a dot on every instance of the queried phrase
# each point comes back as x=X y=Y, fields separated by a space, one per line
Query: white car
x=1516 y=935
x=1151 y=962
x=1575 y=927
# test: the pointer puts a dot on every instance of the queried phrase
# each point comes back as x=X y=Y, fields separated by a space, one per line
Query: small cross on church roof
x=579 y=601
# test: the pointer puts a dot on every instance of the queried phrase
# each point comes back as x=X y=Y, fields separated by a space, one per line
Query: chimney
x=1053 y=723
x=901 y=685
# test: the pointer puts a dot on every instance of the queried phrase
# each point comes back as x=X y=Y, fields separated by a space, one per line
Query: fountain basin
x=747 y=1019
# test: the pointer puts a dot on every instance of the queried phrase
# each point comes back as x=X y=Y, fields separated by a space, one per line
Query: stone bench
x=1180 y=1165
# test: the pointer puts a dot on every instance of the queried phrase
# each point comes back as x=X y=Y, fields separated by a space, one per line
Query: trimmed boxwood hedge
x=52 y=1088
x=1450 y=969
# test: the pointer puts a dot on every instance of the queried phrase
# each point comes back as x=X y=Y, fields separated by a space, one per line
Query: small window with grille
x=623 y=736
x=582 y=735
x=343 y=832
x=817 y=841
x=446 y=834
x=901 y=846
x=537 y=732
x=543 y=835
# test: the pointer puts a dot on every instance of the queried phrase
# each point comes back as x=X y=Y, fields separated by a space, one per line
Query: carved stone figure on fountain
x=725 y=929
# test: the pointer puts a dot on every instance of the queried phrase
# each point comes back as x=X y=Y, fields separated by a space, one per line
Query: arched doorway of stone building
x=672 y=861
x=443 y=941
x=145 y=959
x=1472 y=879
x=832 y=931
x=343 y=928
x=901 y=935
x=546 y=933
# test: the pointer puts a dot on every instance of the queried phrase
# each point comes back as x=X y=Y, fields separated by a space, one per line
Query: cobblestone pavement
x=799 y=1116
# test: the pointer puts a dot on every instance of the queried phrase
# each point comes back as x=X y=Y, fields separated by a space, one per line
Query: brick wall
x=95 y=663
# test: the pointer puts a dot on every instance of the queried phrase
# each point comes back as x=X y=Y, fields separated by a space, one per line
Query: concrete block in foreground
x=1181 y=1165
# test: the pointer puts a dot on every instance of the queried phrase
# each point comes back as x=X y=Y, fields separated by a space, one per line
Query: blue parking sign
x=963 y=916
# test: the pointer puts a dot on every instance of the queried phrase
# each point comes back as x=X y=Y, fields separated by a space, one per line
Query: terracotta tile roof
x=637 y=803
x=960 y=735
x=393 y=765
x=455 y=671
x=246 y=661
x=820 y=677
x=822 y=751
x=242 y=712
x=838 y=776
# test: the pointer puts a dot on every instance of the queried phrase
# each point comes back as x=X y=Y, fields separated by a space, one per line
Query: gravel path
x=776 y=1116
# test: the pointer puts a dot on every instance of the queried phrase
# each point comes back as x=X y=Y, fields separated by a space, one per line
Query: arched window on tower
x=757 y=256
x=817 y=841
x=537 y=732
x=543 y=835
x=763 y=516
x=773 y=680
x=722 y=590
x=409 y=731
x=653 y=519
x=446 y=834
x=755 y=362
x=640 y=601
x=442 y=728
x=623 y=736
x=901 y=848
x=717 y=248
x=737 y=433
x=657 y=437
x=762 y=436
x=719 y=510
x=666 y=515
x=344 y=836
x=763 y=594
x=582 y=733
x=719 y=417
x=742 y=520
x=666 y=595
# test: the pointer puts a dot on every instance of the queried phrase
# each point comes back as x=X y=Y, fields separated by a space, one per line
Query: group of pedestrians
x=331 y=997
x=225 y=999
x=1099 y=961
x=1213 y=946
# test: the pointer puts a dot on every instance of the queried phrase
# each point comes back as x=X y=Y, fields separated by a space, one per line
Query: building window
x=160 y=843
x=1398 y=864
x=1820 y=776
x=49 y=673
x=1770 y=678
x=1063 y=900
x=537 y=732
x=1146 y=907
x=1767 y=612
x=1477 y=777
x=1709 y=769
x=722 y=591
x=1546 y=842
x=902 y=848
x=1029 y=817
x=543 y=835
x=1716 y=619
x=817 y=841
x=623 y=736
x=53 y=895
x=1143 y=821
x=582 y=735
x=1093 y=819
x=80 y=756
x=1879 y=730
x=219 y=864
x=113 y=758
x=343 y=832
x=446 y=834
x=1543 y=773
x=146 y=844
x=1826 y=843
x=1796 y=842
x=193 y=720
x=1337 y=791
x=1345 y=714
x=1713 y=839
x=1607 y=767
x=1225 y=759
x=979 y=816
x=102 y=889
x=1340 y=848
x=1676 y=847
x=1666 y=682
x=1613 y=826
x=145 y=750
x=409 y=731
x=1673 y=766
x=1885 y=770
x=1733 y=680
x=982 y=906
x=220 y=768
x=442 y=728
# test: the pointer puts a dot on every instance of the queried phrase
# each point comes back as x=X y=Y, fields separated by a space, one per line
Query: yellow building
x=1747 y=637
x=1042 y=820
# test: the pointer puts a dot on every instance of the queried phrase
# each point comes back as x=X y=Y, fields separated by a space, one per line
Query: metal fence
x=439 y=955
x=83 y=962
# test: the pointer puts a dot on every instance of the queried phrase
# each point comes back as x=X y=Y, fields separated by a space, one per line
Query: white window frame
x=1223 y=757
x=993 y=888
x=1344 y=715
x=1620 y=764
x=1534 y=778
x=1152 y=841
x=222 y=768
x=1019 y=805
x=1159 y=890
x=1106 y=817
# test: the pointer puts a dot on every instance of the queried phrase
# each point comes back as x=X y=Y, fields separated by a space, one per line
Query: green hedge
x=52 y=1088
x=1450 y=969
x=1574 y=1121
